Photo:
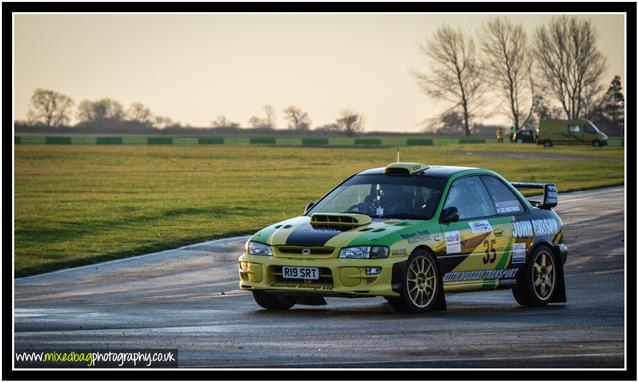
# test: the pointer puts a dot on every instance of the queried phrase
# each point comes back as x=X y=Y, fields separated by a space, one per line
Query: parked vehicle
x=525 y=136
x=570 y=132
x=411 y=233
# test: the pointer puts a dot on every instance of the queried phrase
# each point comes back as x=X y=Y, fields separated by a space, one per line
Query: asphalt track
x=188 y=299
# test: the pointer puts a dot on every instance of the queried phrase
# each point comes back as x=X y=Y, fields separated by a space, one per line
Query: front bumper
x=337 y=276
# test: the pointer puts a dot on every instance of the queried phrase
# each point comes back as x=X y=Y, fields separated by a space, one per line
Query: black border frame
x=478 y=7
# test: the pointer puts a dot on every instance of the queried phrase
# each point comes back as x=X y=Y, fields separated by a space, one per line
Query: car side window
x=573 y=129
x=470 y=197
x=505 y=202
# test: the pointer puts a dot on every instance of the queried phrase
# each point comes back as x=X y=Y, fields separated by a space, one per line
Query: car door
x=509 y=209
x=472 y=247
x=589 y=133
x=575 y=134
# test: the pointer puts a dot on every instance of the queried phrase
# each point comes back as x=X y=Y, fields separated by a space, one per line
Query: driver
x=396 y=199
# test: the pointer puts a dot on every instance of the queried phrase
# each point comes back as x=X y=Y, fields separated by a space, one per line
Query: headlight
x=365 y=252
x=259 y=249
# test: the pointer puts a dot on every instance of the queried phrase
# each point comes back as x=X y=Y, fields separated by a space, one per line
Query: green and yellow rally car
x=411 y=233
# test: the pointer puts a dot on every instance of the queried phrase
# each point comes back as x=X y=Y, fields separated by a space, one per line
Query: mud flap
x=440 y=303
x=560 y=295
x=311 y=300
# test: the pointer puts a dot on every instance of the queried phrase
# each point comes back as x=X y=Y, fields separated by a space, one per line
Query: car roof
x=437 y=171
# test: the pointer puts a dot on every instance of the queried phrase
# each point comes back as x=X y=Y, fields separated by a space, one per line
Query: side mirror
x=449 y=215
x=308 y=207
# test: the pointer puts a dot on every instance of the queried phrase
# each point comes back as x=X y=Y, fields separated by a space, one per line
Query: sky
x=195 y=67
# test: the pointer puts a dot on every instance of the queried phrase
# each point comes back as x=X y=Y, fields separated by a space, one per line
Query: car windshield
x=591 y=124
x=385 y=196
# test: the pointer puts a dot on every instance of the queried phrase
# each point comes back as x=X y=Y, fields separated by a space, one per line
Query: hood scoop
x=344 y=220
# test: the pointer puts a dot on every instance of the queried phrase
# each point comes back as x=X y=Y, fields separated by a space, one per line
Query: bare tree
x=139 y=113
x=49 y=107
x=508 y=64
x=264 y=123
x=163 y=122
x=100 y=110
x=570 y=63
x=270 y=116
x=297 y=118
x=223 y=122
x=351 y=122
x=455 y=75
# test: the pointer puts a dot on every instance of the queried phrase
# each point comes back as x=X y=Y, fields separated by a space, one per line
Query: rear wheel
x=274 y=302
x=547 y=143
x=596 y=143
x=519 y=140
x=537 y=283
x=421 y=284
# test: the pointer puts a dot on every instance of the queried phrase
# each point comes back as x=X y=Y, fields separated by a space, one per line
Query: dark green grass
x=82 y=204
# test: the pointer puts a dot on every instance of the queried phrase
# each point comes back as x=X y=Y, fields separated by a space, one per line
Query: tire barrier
x=262 y=141
x=108 y=140
x=210 y=141
x=419 y=142
x=159 y=140
x=314 y=141
x=57 y=140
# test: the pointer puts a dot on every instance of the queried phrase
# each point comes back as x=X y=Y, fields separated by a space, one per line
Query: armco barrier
x=471 y=140
x=418 y=141
x=57 y=140
x=314 y=141
x=108 y=140
x=262 y=141
x=159 y=140
x=210 y=141
x=367 y=141
x=17 y=140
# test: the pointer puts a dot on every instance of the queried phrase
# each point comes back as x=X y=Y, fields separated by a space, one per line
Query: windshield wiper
x=405 y=216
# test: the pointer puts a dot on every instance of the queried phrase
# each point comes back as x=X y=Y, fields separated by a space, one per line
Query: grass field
x=83 y=204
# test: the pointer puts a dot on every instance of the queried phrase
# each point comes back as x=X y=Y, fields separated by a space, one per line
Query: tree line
x=51 y=109
x=554 y=74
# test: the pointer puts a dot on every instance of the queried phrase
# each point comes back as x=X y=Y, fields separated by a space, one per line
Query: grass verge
x=79 y=205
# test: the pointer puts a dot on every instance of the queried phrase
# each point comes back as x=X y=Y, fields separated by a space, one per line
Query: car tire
x=519 y=141
x=421 y=284
x=274 y=302
x=537 y=283
x=547 y=143
x=596 y=143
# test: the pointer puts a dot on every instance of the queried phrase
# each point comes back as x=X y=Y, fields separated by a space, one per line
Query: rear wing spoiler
x=550 y=194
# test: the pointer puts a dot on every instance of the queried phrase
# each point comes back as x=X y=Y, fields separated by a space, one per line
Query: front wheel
x=422 y=284
x=519 y=141
x=274 y=302
x=547 y=143
x=537 y=283
x=596 y=143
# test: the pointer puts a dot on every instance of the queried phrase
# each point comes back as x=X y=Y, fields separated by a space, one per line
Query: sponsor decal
x=538 y=227
x=379 y=211
x=522 y=228
x=544 y=227
x=452 y=242
x=487 y=274
x=518 y=252
x=481 y=226
x=504 y=210
x=416 y=236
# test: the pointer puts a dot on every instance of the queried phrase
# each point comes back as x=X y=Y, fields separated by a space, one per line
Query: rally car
x=412 y=233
